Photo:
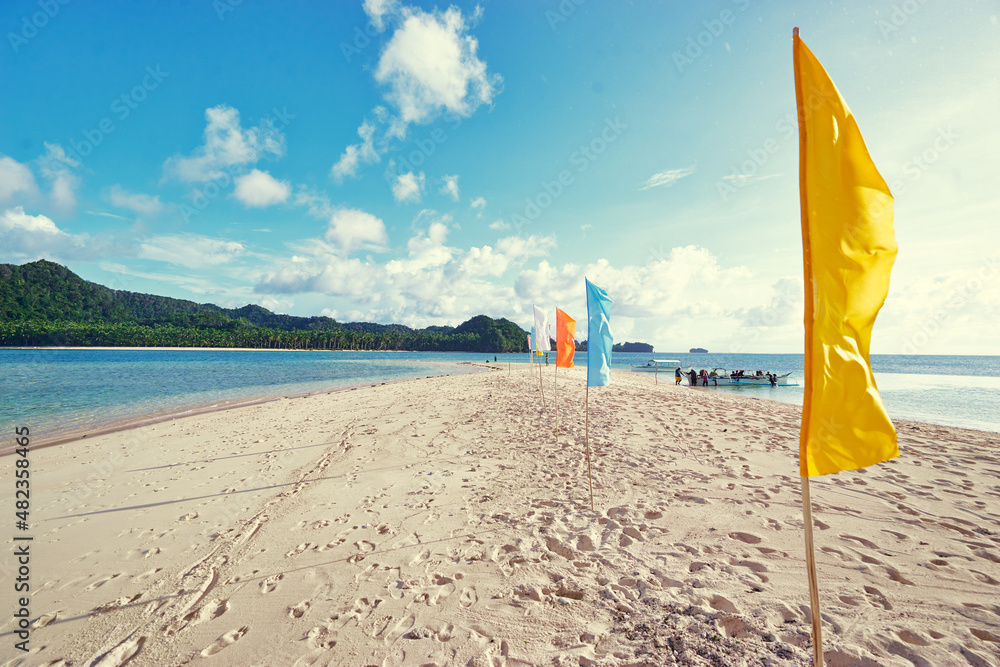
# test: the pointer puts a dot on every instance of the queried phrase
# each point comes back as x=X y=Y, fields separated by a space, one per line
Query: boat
x=721 y=377
x=657 y=366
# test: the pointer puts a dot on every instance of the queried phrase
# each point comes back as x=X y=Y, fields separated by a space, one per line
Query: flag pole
x=541 y=384
x=817 y=627
x=590 y=476
x=555 y=396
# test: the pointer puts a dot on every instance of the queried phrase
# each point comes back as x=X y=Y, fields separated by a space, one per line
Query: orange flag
x=848 y=250
x=565 y=339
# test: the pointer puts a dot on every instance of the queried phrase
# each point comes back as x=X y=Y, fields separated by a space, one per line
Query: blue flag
x=599 y=340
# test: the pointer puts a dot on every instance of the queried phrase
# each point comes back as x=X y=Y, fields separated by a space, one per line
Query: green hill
x=44 y=303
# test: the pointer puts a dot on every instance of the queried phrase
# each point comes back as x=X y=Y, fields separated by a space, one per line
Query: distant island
x=45 y=304
x=581 y=346
x=698 y=350
x=632 y=347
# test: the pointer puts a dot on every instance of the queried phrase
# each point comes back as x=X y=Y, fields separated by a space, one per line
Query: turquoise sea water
x=58 y=392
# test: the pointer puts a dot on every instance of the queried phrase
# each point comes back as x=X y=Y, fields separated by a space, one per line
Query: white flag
x=542 y=343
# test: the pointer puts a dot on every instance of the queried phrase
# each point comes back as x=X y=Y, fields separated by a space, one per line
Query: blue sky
x=422 y=163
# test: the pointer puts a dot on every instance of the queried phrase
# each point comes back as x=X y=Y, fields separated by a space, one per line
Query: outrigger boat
x=720 y=377
x=657 y=366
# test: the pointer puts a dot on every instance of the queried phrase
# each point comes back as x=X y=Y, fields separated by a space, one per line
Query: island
x=45 y=304
x=698 y=350
x=632 y=347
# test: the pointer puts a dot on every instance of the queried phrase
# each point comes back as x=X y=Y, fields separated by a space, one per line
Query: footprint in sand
x=401 y=628
x=225 y=640
x=364 y=546
x=120 y=654
x=468 y=597
x=299 y=549
x=299 y=610
x=748 y=538
x=441 y=593
x=860 y=540
x=101 y=582
x=877 y=599
x=45 y=619
x=271 y=583
x=985 y=578
x=211 y=611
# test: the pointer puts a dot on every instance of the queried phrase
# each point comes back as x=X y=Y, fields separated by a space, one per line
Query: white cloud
x=433 y=284
x=26 y=237
x=500 y=224
x=105 y=214
x=408 y=187
x=56 y=165
x=478 y=202
x=191 y=250
x=194 y=284
x=18 y=185
x=379 y=10
x=335 y=276
x=430 y=64
x=260 y=189
x=350 y=228
x=450 y=187
x=356 y=155
x=63 y=194
x=667 y=178
x=318 y=204
x=426 y=250
x=16 y=220
x=16 y=182
x=226 y=145
x=135 y=201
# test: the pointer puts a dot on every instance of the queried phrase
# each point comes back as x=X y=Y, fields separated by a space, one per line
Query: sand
x=439 y=522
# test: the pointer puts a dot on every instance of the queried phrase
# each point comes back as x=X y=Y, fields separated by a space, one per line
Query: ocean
x=63 y=392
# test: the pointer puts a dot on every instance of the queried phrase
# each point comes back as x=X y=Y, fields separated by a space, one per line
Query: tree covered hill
x=44 y=303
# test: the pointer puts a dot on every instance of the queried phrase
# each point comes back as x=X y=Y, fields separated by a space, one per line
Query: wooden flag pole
x=555 y=397
x=541 y=384
x=586 y=437
x=817 y=627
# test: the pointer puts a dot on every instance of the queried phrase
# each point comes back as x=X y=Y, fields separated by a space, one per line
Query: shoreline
x=145 y=419
x=442 y=522
x=148 y=419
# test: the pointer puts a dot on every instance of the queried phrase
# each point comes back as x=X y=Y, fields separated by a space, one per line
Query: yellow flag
x=848 y=248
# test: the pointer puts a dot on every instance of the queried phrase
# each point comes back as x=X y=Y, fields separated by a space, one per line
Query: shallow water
x=60 y=391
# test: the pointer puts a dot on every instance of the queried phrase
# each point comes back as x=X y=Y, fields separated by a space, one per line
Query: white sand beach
x=441 y=522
